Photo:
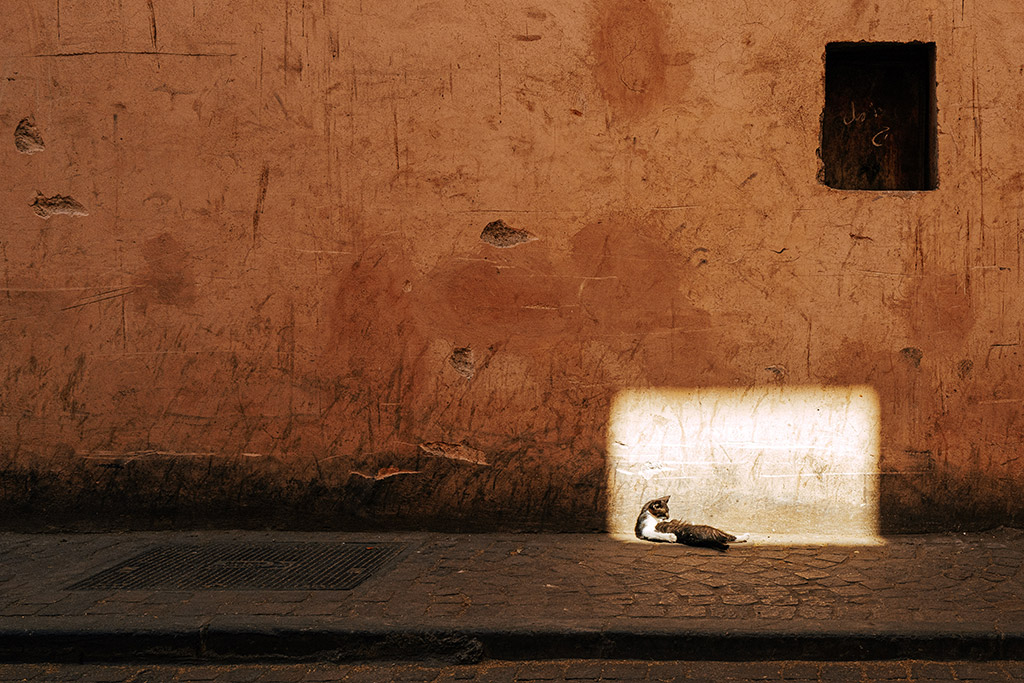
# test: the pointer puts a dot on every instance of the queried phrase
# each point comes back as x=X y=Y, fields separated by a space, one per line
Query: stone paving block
x=417 y=673
x=272 y=608
x=624 y=671
x=167 y=597
x=739 y=599
x=980 y=671
x=668 y=671
x=366 y=674
x=800 y=671
x=774 y=612
x=330 y=672
x=106 y=674
x=811 y=574
x=1014 y=669
x=887 y=671
x=284 y=674
x=239 y=674
x=20 y=610
x=541 y=671
x=313 y=608
x=646 y=611
x=199 y=673
x=718 y=581
x=63 y=675
x=502 y=673
x=841 y=672
x=21 y=672
x=587 y=670
x=733 y=671
x=789 y=580
x=814 y=612
x=940 y=671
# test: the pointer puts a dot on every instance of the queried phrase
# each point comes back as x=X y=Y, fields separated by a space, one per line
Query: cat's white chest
x=648 y=531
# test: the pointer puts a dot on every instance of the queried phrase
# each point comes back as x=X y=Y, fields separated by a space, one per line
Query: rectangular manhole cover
x=247 y=566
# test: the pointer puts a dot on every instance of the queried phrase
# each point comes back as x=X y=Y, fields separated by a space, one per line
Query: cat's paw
x=741 y=538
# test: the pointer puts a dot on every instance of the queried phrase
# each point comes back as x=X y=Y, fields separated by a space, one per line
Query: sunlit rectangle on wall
x=787 y=464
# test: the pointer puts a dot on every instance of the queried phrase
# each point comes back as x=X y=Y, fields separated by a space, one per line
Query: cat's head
x=657 y=507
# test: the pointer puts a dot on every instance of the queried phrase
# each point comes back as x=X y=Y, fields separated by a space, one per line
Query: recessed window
x=878 y=127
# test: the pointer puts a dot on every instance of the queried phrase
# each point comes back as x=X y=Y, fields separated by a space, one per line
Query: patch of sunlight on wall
x=786 y=464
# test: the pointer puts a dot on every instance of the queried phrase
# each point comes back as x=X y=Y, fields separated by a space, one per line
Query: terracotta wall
x=244 y=279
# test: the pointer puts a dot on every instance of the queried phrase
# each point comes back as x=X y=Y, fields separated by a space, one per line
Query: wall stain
x=627 y=47
x=167 y=277
x=938 y=310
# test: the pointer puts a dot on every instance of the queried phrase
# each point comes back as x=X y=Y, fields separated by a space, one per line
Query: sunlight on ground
x=789 y=465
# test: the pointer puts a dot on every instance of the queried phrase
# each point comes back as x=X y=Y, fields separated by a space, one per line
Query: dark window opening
x=878 y=127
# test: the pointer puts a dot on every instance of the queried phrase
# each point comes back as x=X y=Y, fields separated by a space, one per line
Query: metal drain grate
x=247 y=566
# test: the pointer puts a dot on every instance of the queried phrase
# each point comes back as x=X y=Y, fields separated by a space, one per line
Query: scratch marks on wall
x=394 y=121
x=27 y=138
x=287 y=11
x=261 y=197
x=67 y=393
x=57 y=205
x=499 y=234
x=102 y=296
x=152 y=22
x=979 y=146
x=150 y=53
x=455 y=451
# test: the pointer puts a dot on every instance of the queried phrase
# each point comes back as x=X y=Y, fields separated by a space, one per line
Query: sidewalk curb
x=236 y=639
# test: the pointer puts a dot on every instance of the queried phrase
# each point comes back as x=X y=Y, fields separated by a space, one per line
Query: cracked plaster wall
x=253 y=257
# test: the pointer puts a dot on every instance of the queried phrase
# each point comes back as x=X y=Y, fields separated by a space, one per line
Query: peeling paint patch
x=384 y=473
x=455 y=451
x=499 y=234
x=964 y=367
x=462 y=360
x=57 y=205
x=27 y=139
x=912 y=356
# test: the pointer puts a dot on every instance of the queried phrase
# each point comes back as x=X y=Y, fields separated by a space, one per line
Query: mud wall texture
x=319 y=263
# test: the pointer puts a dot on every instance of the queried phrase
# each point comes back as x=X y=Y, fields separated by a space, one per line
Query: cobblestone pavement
x=548 y=581
x=582 y=671
x=945 y=578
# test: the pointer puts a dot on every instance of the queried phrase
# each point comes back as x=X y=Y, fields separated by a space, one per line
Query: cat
x=653 y=524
